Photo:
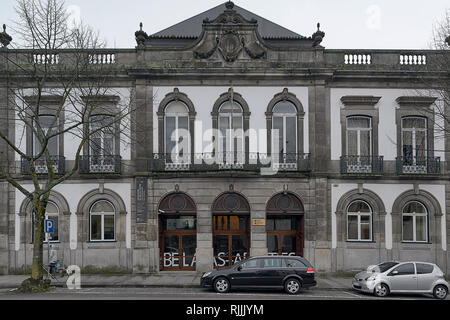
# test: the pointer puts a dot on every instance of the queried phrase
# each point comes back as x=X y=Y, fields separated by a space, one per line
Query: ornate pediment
x=230 y=16
x=230 y=35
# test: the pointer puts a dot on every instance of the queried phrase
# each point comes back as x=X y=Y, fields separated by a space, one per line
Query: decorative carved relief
x=230 y=46
x=230 y=34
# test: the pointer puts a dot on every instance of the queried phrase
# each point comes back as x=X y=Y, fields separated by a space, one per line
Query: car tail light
x=310 y=270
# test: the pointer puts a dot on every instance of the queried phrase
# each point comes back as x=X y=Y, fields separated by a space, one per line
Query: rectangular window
x=352 y=225
x=365 y=228
x=359 y=136
x=359 y=227
x=421 y=228
x=48 y=126
x=96 y=227
x=102 y=227
x=102 y=140
x=408 y=228
x=414 y=141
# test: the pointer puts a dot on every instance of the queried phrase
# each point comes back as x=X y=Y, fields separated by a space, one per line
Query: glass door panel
x=189 y=246
x=289 y=245
x=221 y=251
x=239 y=248
x=272 y=244
x=171 y=251
x=278 y=129
x=291 y=138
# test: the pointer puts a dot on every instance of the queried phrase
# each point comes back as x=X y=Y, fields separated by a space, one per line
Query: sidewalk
x=162 y=279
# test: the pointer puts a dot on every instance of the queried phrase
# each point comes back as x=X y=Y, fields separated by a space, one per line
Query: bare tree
x=58 y=85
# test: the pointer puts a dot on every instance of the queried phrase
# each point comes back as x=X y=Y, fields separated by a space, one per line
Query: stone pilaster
x=142 y=122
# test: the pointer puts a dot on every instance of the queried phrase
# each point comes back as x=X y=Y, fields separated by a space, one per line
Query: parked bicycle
x=55 y=270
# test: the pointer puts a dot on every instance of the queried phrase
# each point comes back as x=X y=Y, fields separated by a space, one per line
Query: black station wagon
x=290 y=273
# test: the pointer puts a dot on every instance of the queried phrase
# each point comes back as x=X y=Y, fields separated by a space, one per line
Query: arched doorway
x=285 y=225
x=231 y=229
x=178 y=232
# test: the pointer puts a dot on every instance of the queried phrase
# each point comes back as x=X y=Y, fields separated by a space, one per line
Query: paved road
x=195 y=294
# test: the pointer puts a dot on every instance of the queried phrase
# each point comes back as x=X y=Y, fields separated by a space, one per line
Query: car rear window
x=293 y=263
x=423 y=268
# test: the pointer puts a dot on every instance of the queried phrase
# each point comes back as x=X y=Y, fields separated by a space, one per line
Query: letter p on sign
x=49 y=226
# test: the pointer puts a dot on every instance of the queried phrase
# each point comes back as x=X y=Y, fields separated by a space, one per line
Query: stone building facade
x=337 y=155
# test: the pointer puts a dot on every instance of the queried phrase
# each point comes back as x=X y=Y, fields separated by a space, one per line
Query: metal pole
x=48 y=256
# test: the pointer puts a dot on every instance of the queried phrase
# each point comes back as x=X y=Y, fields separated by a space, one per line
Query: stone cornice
x=101 y=99
x=416 y=101
x=44 y=99
x=360 y=100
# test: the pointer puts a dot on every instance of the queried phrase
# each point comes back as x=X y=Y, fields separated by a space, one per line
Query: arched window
x=231 y=229
x=177 y=142
x=231 y=145
x=285 y=225
x=102 y=221
x=178 y=232
x=51 y=213
x=176 y=122
x=284 y=121
x=359 y=221
x=414 y=222
x=285 y=114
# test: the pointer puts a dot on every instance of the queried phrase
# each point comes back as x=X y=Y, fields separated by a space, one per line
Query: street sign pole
x=49 y=229
x=48 y=255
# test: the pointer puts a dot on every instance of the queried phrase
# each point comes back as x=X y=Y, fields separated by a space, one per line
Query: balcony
x=418 y=165
x=362 y=164
x=101 y=164
x=40 y=165
x=231 y=161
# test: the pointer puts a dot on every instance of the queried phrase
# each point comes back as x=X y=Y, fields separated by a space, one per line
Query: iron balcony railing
x=418 y=165
x=362 y=164
x=101 y=164
x=231 y=161
x=57 y=162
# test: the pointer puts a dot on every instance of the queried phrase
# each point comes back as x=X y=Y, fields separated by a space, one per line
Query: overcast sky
x=348 y=24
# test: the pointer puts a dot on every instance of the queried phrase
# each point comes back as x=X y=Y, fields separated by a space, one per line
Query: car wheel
x=440 y=292
x=381 y=290
x=221 y=285
x=292 y=286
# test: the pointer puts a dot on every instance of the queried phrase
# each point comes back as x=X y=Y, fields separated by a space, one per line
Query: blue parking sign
x=49 y=226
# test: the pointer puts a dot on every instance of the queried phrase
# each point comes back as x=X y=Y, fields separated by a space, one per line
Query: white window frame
x=102 y=222
x=229 y=130
x=359 y=215
x=45 y=131
x=414 y=132
x=358 y=140
x=102 y=134
x=177 y=115
x=284 y=116
x=415 y=215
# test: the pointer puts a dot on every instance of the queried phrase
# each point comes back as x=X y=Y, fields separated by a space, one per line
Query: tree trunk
x=37 y=271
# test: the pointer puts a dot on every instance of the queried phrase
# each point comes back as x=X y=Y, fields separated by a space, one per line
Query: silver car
x=402 y=277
